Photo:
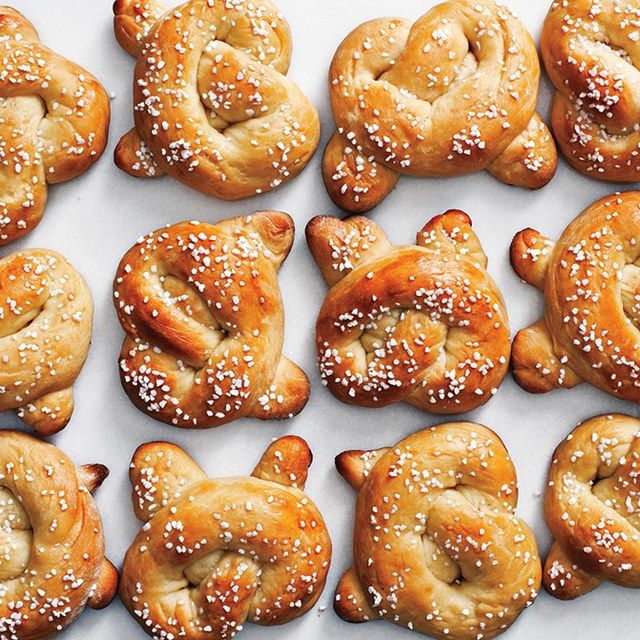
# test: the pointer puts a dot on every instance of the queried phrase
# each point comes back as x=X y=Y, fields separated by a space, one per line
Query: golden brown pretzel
x=437 y=545
x=204 y=319
x=420 y=324
x=46 y=314
x=455 y=92
x=591 y=51
x=215 y=553
x=54 y=120
x=52 y=560
x=591 y=283
x=212 y=104
x=592 y=508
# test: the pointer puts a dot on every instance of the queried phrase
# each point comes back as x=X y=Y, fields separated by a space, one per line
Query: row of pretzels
x=437 y=546
x=452 y=93
x=423 y=324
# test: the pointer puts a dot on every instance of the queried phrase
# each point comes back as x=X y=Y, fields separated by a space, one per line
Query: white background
x=96 y=218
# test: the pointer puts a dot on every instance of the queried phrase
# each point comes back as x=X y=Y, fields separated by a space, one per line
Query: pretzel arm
x=536 y=366
x=530 y=256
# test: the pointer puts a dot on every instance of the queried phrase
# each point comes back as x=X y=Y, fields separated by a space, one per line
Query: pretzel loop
x=204 y=319
x=449 y=94
x=437 y=547
x=212 y=104
x=218 y=552
x=54 y=119
x=424 y=325
x=592 y=55
x=51 y=545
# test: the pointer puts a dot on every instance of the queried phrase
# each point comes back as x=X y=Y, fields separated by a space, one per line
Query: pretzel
x=54 y=120
x=212 y=104
x=591 y=507
x=203 y=314
x=46 y=314
x=52 y=560
x=453 y=93
x=591 y=51
x=420 y=324
x=214 y=553
x=437 y=546
x=591 y=284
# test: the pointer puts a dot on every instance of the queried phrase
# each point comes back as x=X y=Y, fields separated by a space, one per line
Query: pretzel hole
x=16 y=536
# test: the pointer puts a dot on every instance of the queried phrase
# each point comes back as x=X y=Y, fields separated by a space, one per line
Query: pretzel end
x=339 y=246
x=276 y=230
x=563 y=579
x=159 y=473
x=132 y=156
x=50 y=413
x=93 y=475
x=286 y=461
x=355 y=182
x=12 y=23
x=354 y=466
x=106 y=587
x=132 y=20
x=350 y=601
x=530 y=254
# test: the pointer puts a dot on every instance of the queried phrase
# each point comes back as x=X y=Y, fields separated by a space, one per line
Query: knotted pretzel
x=437 y=546
x=212 y=104
x=592 y=507
x=591 y=283
x=453 y=93
x=420 y=324
x=215 y=553
x=54 y=120
x=204 y=319
x=591 y=51
x=46 y=314
x=52 y=560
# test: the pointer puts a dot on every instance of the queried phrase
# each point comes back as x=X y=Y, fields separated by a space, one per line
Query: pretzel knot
x=420 y=324
x=591 y=284
x=54 y=120
x=592 y=506
x=216 y=552
x=52 y=559
x=453 y=93
x=437 y=546
x=204 y=319
x=212 y=104
x=46 y=314
x=591 y=51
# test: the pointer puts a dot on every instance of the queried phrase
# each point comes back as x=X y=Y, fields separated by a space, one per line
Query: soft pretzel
x=54 y=119
x=212 y=104
x=592 y=507
x=437 y=546
x=591 y=283
x=214 y=553
x=420 y=324
x=46 y=313
x=453 y=93
x=591 y=51
x=52 y=560
x=204 y=319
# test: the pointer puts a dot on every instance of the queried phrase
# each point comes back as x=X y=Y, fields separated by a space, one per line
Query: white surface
x=95 y=219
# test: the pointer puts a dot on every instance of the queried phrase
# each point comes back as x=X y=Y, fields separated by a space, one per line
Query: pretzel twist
x=204 y=319
x=215 y=553
x=46 y=314
x=437 y=546
x=591 y=51
x=212 y=104
x=592 y=506
x=54 y=120
x=591 y=282
x=420 y=324
x=52 y=559
x=453 y=93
